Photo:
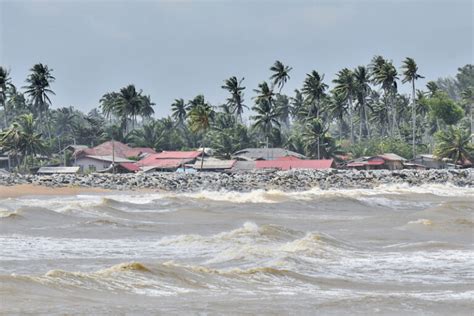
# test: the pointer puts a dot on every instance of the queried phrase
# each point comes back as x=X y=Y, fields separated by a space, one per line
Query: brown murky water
x=392 y=250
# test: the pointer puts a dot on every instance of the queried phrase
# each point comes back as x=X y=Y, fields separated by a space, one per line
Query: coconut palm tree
x=236 y=99
x=281 y=74
x=314 y=90
x=346 y=86
x=127 y=105
x=5 y=83
x=362 y=80
x=200 y=119
x=266 y=117
x=178 y=108
x=454 y=144
x=432 y=88
x=22 y=138
x=312 y=134
x=38 y=88
x=297 y=105
x=338 y=108
x=264 y=94
x=386 y=75
x=410 y=74
x=468 y=96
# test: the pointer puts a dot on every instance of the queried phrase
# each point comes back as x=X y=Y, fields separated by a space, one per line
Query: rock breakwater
x=294 y=180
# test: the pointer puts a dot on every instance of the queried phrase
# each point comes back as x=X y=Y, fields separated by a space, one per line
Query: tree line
x=360 y=112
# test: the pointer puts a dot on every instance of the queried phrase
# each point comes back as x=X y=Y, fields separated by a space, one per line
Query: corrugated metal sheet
x=130 y=166
x=391 y=157
x=163 y=163
x=287 y=158
x=295 y=164
x=214 y=164
x=121 y=150
x=244 y=165
x=265 y=153
x=109 y=158
x=52 y=170
x=177 y=155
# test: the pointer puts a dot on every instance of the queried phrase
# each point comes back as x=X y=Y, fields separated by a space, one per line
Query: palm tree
x=314 y=90
x=266 y=117
x=454 y=144
x=178 y=108
x=264 y=94
x=468 y=96
x=5 y=83
x=362 y=80
x=312 y=135
x=22 y=138
x=38 y=88
x=386 y=75
x=282 y=107
x=432 y=88
x=338 y=108
x=346 y=86
x=281 y=74
x=410 y=74
x=200 y=118
x=297 y=104
x=127 y=104
x=236 y=99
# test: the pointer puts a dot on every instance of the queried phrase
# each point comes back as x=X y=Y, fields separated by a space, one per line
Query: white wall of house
x=90 y=165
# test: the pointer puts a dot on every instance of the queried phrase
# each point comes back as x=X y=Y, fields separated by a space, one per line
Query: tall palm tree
x=266 y=118
x=178 y=108
x=283 y=108
x=200 y=119
x=432 y=88
x=468 y=96
x=312 y=134
x=127 y=105
x=338 y=108
x=5 y=83
x=297 y=105
x=281 y=74
x=314 y=90
x=410 y=74
x=22 y=138
x=38 y=88
x=346 y=86
x=236 y=99
x=264 y=94
x=386 y=75
x=454 y=143
x=362 y=80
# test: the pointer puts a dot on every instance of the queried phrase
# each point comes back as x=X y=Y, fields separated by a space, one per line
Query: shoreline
x=290 y=181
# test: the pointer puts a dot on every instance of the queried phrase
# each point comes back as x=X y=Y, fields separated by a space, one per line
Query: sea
x=391 y=250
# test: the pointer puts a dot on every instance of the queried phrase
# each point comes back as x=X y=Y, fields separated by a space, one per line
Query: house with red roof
x=385 y=161
x=168 y=160
x=101 y=157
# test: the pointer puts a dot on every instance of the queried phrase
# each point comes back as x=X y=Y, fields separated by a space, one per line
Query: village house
x=101 y=157
x=385 y=161
x=429 y=161
x=168 y=160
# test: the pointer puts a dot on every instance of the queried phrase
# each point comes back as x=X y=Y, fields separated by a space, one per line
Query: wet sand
x=31 y=189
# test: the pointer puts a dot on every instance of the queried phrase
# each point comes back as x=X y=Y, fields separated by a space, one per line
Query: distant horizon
x=179 y=50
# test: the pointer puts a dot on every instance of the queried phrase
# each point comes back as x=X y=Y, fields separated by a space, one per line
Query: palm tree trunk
x=366 y=120
x=360 y=123
x=413 y=113
x=5 y=114
x=351 y=118
x=472 y=122
x=341 y=122
x=394 y=114
x=319 y=156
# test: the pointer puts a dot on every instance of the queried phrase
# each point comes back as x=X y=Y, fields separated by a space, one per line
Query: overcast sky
x=181 y=48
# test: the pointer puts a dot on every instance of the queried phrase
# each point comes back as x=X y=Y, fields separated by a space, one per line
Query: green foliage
x=444 y=108
x=454 y=144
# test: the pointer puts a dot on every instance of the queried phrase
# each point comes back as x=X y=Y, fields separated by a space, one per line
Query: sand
x=31 y=189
